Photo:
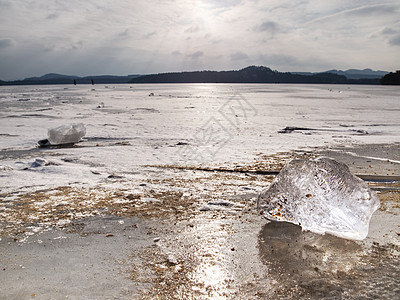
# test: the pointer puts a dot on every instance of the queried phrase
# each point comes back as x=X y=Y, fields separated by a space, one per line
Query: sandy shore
x=196 y=234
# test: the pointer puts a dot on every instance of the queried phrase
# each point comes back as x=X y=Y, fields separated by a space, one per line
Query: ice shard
x=66 y=134
x=321 y=196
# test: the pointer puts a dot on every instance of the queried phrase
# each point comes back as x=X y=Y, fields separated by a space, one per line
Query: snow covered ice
x=66 y=134
x=133 y=130
x=321 y=196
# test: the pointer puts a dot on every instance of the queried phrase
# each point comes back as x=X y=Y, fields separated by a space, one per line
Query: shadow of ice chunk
x=306 y=265
x=39 y=162
x=321 y=196
x=296 y=252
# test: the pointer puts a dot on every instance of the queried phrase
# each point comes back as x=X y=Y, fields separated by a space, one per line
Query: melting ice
x=321 y=196
x=66 y=134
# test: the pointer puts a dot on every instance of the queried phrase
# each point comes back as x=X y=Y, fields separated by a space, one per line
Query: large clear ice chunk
x=66 y=134
x=321 y=196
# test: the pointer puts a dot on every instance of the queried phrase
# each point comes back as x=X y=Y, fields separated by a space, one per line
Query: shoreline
x=192 y=233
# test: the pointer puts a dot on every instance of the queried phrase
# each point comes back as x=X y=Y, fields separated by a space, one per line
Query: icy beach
x=158 y=199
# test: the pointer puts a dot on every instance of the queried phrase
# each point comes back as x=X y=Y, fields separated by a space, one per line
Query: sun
x=205 y=15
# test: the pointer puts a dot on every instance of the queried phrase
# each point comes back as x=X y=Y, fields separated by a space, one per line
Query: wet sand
x=196 y=234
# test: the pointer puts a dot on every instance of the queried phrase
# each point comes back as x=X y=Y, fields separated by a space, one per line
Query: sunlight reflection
x=211 y=274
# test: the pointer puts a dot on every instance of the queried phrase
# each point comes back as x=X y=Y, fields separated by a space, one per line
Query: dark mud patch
x=146 y=110
x=262 y=165
x=390 y=202
x=290 y=129
x=18 y=153
x=33 y=116
x=41 y=210
x=312 y=266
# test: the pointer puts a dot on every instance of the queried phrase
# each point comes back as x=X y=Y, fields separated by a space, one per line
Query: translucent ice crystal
x=321 y=196
x=66 y=134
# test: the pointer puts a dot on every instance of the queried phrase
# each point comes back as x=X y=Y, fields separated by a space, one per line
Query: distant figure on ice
x=92 y=81
x=74 y=82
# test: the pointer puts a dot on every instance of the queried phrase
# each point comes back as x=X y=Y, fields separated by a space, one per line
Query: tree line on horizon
x=251 y=74
x=392 y=78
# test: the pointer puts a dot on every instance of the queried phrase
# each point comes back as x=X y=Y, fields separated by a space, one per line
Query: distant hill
x=353 y=73
x=251 y=74
x=359 y=74
x=53 y=78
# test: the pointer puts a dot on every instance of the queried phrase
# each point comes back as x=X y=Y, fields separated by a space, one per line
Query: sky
x=121 y=37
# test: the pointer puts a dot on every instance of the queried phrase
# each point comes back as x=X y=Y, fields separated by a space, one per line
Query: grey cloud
x=52 y=16
x=4 y=43
x=6 y=4
x=373 y=10
x=192 y=29
x=105 y=60
x=363 y=12
x=176 y=53
x=276 y=60
x=77 y=45
x=239 y=56
x=388 y=31
x=124 y=33
x=149 y=35
x=196 y=55
x=395 y=41
x=268 y=26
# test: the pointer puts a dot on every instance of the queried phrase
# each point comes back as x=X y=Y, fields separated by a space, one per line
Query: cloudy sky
x=147 y=36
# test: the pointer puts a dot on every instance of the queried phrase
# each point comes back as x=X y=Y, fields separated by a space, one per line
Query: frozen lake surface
x=129 y=126
x=158 y=201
